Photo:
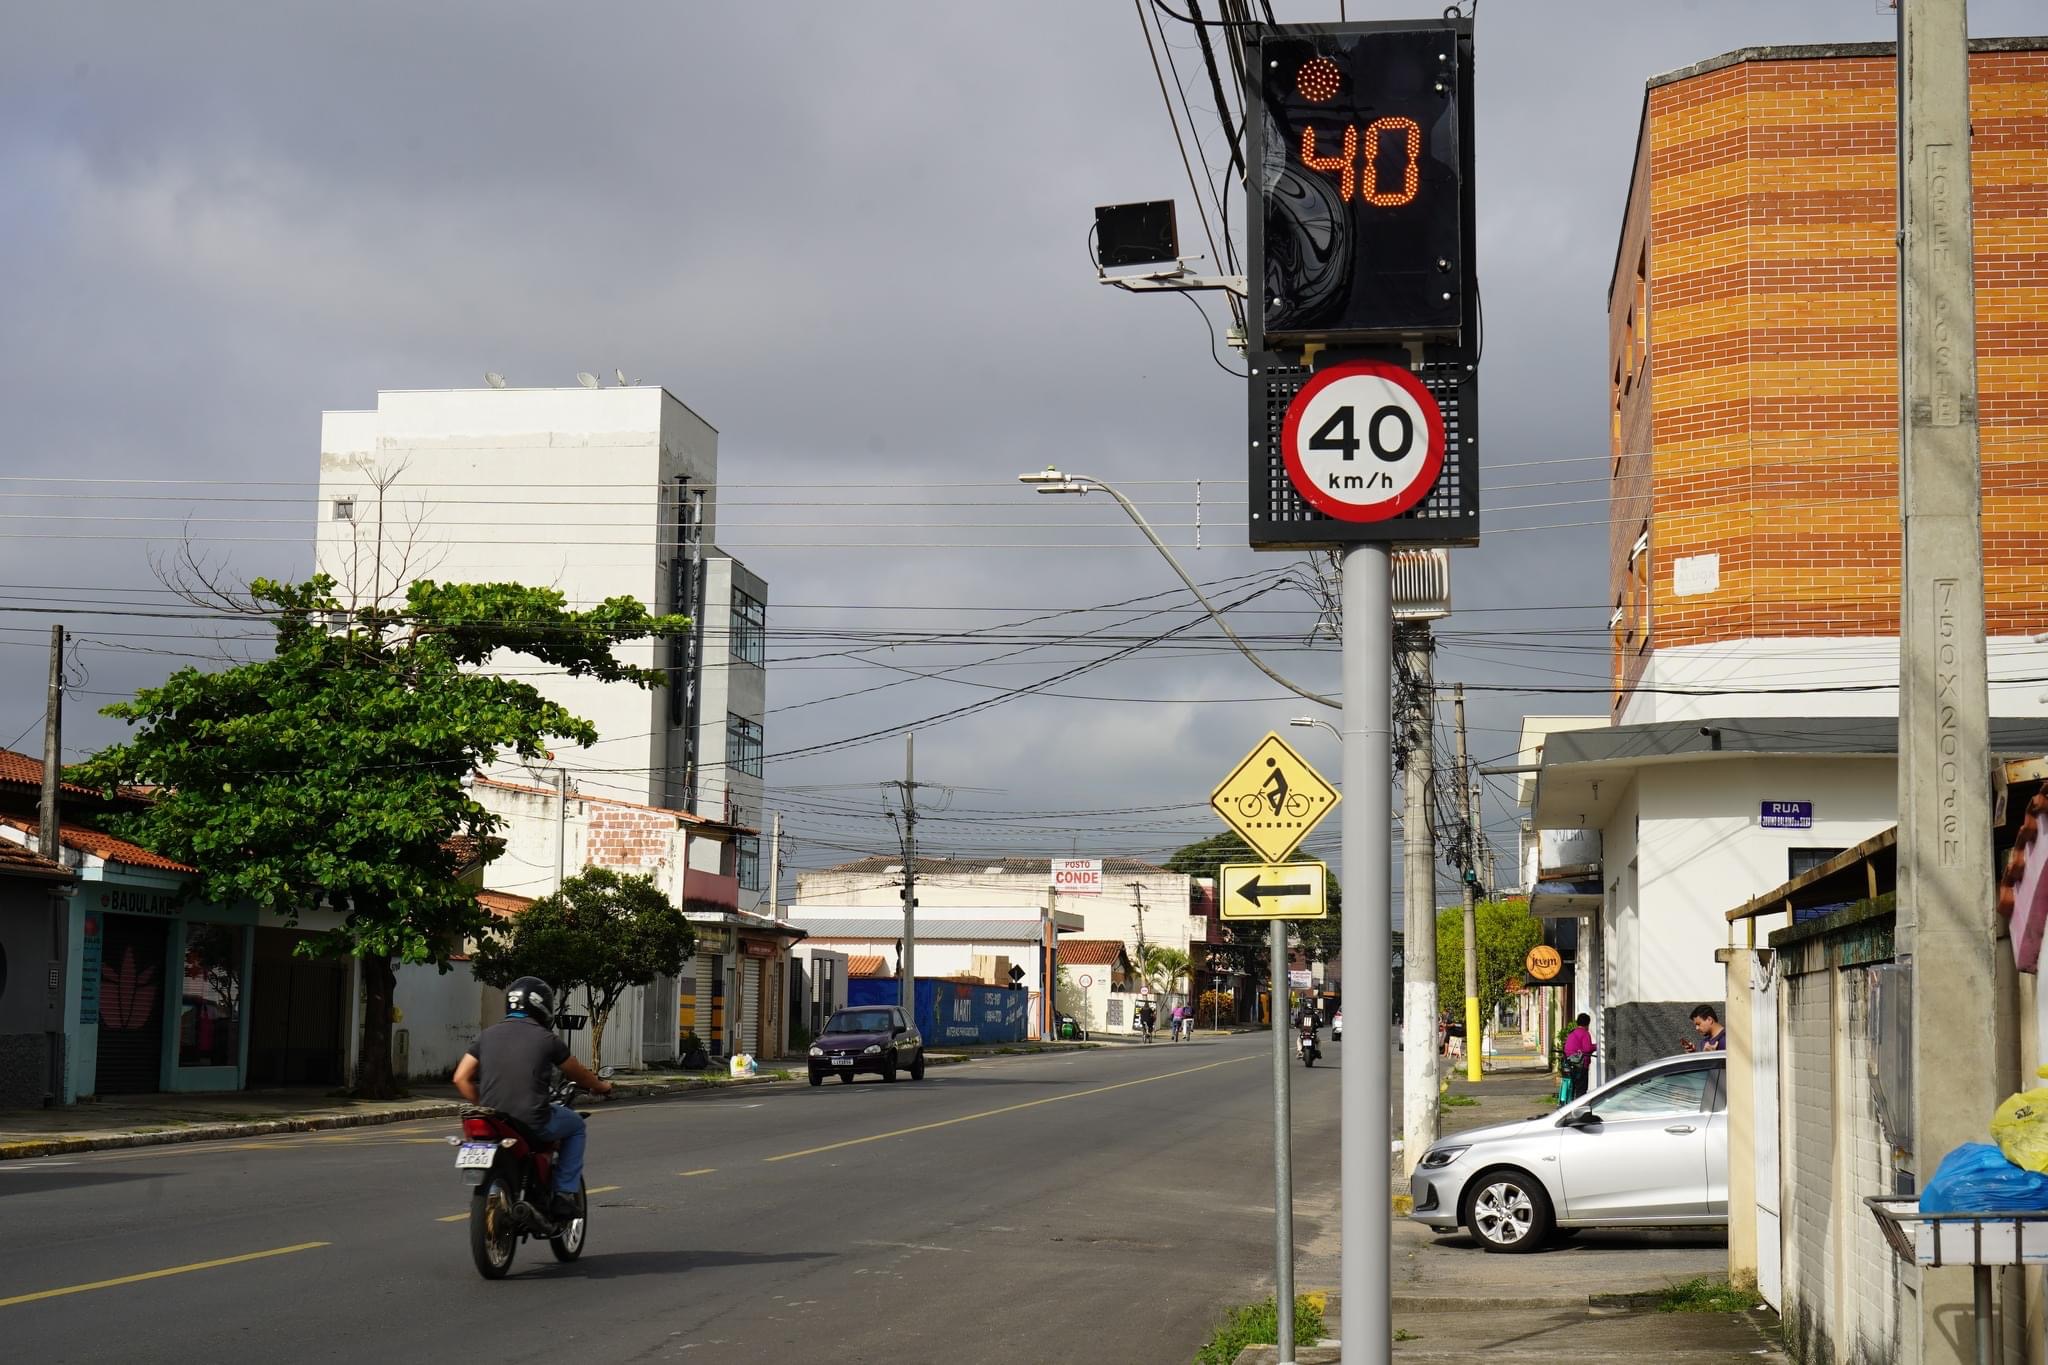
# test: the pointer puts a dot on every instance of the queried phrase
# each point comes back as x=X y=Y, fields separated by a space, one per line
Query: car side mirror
x=1582 y=1118
x=899 y=1030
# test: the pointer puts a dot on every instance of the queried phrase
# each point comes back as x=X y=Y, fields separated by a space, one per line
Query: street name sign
x=1273 y=798
x=1273 y=891
x=1363 y=441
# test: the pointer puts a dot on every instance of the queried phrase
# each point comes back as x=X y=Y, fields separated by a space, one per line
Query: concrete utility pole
x=1418 y=898
x=1138 y=901
x=907 y=963
x=1366 y=1218
x=1468 y=879
x=1946 y=889
x=775 y=868
x=561 y=826
x=53 y=757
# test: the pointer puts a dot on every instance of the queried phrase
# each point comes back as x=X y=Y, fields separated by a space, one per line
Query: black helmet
x=532 y=997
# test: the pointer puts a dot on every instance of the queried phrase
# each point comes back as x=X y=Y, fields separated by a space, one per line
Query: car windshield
x=859 y=1021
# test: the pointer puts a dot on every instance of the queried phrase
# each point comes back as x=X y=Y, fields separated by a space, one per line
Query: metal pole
x=1945 y=852
x=1418 y=902
x=1987 y=1343
x=1468 y=880
x=1366 y=1214
x=1283 y=1150
x=909 y=959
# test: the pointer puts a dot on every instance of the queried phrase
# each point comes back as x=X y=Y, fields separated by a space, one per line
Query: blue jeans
x=565 y=1128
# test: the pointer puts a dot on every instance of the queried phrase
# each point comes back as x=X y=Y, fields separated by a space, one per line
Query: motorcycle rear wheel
x=493 y=1237
x=569 y=1245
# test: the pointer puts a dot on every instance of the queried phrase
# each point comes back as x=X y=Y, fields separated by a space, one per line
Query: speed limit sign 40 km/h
x=1363 y=441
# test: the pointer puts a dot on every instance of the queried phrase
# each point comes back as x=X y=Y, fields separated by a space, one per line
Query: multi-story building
x=598 y=493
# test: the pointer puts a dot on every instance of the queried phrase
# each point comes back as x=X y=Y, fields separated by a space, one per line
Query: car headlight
x=872 y=1048
x=1439 y=1157
x=817 y=1052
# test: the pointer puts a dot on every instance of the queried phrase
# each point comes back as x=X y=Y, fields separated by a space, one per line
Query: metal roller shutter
x=750 y=1005
x=132 y=1005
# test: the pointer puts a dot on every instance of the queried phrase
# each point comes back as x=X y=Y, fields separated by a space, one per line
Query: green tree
x=603 y=931
x=1320 y=939
x=1163 y=968
x=331 y=774
x=1507 y=931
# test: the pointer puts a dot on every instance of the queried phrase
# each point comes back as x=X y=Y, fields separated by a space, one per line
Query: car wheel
x=889 y=1066
x=1508 y=1212
x=817 y=1079
x=917 y=1068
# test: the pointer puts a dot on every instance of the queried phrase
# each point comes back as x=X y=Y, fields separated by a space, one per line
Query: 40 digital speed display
x=1360 y=176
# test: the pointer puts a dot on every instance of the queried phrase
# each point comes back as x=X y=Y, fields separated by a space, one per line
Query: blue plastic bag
x=1976 y=1178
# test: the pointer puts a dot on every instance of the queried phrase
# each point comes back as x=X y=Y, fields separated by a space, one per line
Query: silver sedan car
x=1648 y=1149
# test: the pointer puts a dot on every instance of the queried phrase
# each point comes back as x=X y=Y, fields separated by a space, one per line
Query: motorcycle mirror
x=605 y=1073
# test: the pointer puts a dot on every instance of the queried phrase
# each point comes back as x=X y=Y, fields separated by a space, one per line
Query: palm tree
x=1163 y=967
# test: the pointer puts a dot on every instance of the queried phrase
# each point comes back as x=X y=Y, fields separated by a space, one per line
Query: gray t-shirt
x=515 y=1058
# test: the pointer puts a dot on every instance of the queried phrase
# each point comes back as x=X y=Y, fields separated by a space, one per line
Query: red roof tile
x=502 y=904
x=26 y=770
x=17 y=860
x=865 y=964
x=1090 y=952
x=105 y=846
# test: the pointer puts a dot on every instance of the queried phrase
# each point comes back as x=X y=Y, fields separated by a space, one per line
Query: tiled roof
x=16 y=860
x=26 y=770
x=1090 y=952
x=866 y=964
x=104 y=846
x=502 y=904
x=981 y=867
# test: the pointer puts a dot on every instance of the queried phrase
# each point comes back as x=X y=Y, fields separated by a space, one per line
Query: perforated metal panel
x=1281 y=520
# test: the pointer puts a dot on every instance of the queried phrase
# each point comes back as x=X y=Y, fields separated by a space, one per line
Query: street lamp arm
x=1131 y=510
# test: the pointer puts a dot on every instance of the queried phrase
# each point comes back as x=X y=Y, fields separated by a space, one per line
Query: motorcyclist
x=507 y=1069
x=1306 y=1027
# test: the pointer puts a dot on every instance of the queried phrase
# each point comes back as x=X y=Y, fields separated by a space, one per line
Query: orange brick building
x=1753 y=376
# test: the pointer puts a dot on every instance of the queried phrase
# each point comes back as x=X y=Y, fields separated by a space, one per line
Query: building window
x=749 y=629
x=743 y=745
x=747 y=861
x=1799 y=861
x=210 y=1017
x=345 y=508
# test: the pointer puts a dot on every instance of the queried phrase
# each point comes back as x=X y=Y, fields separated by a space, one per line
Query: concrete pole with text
x=908 y=962
x=1365 y=1219
x=1418 y=902
x=1468 y=881
x=1946 y=890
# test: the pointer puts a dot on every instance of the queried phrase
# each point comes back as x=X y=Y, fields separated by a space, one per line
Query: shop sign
x=1077 y=876
x=755 y=947
x=124 y=900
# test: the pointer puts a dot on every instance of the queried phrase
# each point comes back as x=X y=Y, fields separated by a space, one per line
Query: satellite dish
x=494 y=379
x=624 y=382
x=587 y=380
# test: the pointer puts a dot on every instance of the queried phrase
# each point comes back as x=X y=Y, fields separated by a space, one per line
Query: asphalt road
x=1093 y=1206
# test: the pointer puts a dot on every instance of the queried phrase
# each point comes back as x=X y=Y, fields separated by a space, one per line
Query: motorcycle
x=512 y=1172
x=1305 y=1044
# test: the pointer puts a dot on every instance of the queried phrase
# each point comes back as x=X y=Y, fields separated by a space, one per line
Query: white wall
x=731 y=688
x=549 y=487
x=970 y=886
x=1702 y=851
x=442 y=1013
x=1807 y=661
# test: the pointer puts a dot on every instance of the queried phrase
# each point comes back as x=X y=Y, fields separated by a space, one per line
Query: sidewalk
x=150 y=1120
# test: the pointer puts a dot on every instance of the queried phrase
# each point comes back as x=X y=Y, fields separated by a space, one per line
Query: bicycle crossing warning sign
x=1273 y=798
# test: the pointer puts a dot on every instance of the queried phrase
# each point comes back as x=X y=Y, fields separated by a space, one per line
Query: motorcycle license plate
x=842 y=1061
x=475 y=1154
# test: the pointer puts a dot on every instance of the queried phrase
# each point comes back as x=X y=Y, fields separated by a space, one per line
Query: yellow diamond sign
x=1273 y=798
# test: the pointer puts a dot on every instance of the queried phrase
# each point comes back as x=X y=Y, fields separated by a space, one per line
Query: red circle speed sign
x=1363 y=441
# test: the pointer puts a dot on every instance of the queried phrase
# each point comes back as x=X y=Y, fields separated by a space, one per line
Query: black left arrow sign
x=1256 y=892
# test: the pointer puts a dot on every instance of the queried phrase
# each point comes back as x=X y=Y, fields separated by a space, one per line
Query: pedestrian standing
x=1579 y=1048
x=1707 y=1024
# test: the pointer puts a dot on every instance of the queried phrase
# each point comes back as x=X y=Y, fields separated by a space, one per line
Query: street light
x=1053 y=480
x=1311 y=720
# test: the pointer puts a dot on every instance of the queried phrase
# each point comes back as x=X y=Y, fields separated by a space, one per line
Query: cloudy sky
x=851 y=236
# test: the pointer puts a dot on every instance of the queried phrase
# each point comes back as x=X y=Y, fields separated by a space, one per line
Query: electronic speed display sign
x=1363 y=324
x=1359 y=178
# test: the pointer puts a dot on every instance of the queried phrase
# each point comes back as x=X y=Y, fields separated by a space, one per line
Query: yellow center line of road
x=701 y=1170
x=602 y=1189
x=158 y=1274
x=1005 y=1109
x=453 y=1218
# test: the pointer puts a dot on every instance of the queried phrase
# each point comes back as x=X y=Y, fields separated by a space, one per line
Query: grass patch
x=1403 y=1334
x=1257 y=1324
x=1708 y=1294
x=1451 y=1100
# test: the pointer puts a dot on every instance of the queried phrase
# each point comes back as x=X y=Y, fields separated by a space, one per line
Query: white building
x=732 y=711
x=599 y=493
x=1140 y=903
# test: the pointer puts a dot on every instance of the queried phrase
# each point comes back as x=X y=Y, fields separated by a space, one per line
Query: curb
x=216 y=1132
x=1494 y=1303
